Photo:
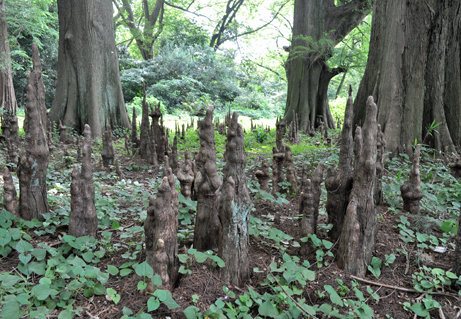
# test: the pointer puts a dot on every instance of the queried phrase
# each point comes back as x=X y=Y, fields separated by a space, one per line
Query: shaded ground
x=204 y=281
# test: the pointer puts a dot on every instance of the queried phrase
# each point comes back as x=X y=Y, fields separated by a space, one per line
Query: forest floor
x=406 y=243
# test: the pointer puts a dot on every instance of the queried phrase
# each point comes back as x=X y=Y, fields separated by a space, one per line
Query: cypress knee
x=234 y=209
x=83 y=220
x=33 y=200
x=206 y=184
x=411 y=189
x=359 y=229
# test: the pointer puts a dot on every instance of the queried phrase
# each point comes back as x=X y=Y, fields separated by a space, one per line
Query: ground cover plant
x=46 y=273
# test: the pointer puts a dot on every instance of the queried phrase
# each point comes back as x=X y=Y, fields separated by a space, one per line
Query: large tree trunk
x=414 y=73
x=318 y=26
x=7 y=97
x=89 y=89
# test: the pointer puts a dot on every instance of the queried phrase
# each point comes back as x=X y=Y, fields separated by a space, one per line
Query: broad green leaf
x=112 y=270
x=66 y=314
x=99 y=289
x=88 y=256
x=39 y=253
x=192 y=312
x=15 y=233
x=451 y=275
x=327 y=244
x=23 y=299
x=9 y=281
x=23 y=246
x=334 y=297
x=11 y=310
x=267 y=309
x=25 y=258
x=125 y=272
x=156 y=280
x=152 y=304
x=142 y=285
x=144 y=270
x=5 y=237
x=42 y=292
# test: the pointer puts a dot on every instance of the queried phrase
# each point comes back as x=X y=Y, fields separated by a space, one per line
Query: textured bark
x=309 y=205
x=63 y=133
x=318 y=26
x=88 y=89
x=174 y=156
x=455 y=165
x=157 y=133
x=414 y=73
x=207 y=183
x=234 y=209
x=161 y=226
x=145 y=142
x=134 y=130
x=263 y=176
x=381 y=145
x=278 y=156
x=358 y=235
x=10 y=197
x=33 y=164
x=280 y=131
x=457 y=258
x=411 y=189
x=107 y=152
x=10 y=132
x=7 y=96
x=291 y=172
x=186 y=176
x=358 y=146
x=339 y=184
x=83 y=220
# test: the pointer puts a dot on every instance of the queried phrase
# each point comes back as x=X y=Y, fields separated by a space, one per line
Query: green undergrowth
x=54 y=270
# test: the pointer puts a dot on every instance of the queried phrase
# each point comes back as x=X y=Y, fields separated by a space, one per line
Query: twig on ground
x=401 y=288
x=442 y=316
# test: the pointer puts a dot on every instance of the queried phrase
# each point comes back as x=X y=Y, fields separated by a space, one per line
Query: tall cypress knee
x=83 y=220
x=234 y=209
x=33 y=200
x=207 y=182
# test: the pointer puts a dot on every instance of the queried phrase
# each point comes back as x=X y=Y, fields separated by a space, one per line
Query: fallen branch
x=403 y=289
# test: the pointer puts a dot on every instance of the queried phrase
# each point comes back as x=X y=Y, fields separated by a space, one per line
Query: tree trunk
x=318 y=26
x=89 y=89
x=457 y=259
x=7 y=96
x=358 y=234
x=414 y=73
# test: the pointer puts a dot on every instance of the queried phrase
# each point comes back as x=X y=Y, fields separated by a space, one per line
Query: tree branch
x=257 y=29
x=187 y=10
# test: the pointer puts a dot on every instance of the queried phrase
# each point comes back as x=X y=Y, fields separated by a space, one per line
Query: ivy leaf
x=5 y=237
x=144 y=270
x=112 y=270
x=23 y=246
x=11 y=310
x=334 y=297
x=152 y=304
x=66 y=314
x=156 y=280
x=125 y=272
x=192 y=312
x=42 y=292
x=267 y=309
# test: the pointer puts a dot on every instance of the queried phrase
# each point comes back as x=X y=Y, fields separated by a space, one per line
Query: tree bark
x=7 y=96
x=414 y=73
x=83 y=220
x=89 y=90
x=33 y=200
x=206 y=184
x=317 y=27
x=339 y=184
x=358 y=234
x=234 y=209
x=457 y=259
